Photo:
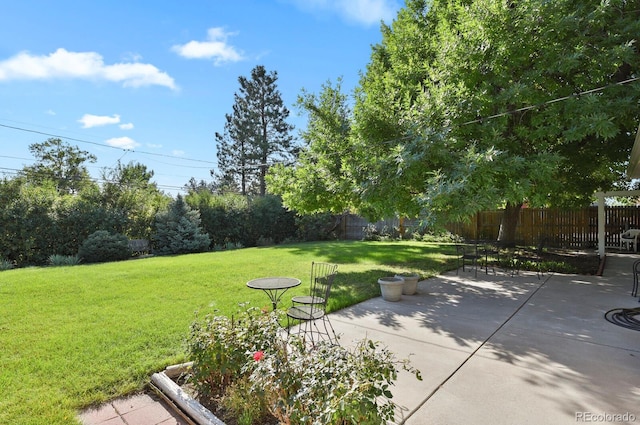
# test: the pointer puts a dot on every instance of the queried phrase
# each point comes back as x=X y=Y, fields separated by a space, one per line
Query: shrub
x=372 y=233
x=178 y=230
x=326 y=384
x=64 y=260
x=266 y=218
x=316 y=227
x=218 y=347
x=5 y=264
x=222 y=216
x=102 y=246
x=441 y=236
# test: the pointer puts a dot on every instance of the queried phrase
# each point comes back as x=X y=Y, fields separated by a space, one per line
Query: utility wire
x=395 y=140
x=15 y=171
x=12 y=127
x=549 y=102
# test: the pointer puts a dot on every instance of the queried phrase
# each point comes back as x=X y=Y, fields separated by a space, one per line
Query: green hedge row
x=38 y=222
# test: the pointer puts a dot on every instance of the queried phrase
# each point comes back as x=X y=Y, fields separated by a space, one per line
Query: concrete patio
x=496 y=349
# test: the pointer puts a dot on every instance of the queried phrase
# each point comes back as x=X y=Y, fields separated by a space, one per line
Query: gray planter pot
x=410 y=285
x=391 y=288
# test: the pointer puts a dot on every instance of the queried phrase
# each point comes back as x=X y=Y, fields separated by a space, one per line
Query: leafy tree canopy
x=483 y=64
x=322 y=180
x=129 y=189
x=472 y=105
x=61 y=163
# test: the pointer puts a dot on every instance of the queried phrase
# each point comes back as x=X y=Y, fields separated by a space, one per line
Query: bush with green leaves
x=371 y=232
x=246 y=220
x=222 y=216
x=220 y=347
x=102 y=246
x=295 y=383
x=436 y=236
x=316 y=227
x=328 y=384
x=267 y=219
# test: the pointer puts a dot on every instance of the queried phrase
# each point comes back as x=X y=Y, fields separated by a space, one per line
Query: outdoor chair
x=536 y=259
x=491 y=251
x=629 y=240
x=636 y=278
x=467 y=254
x=311 y=309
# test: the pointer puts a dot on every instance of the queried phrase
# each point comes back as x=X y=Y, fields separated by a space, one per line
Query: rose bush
x=295 y=383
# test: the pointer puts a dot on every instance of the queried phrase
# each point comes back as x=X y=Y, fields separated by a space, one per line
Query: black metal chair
x=490 y=251
x=309 y=309
x=468 y=254
x=636 y=278
x=535 y=259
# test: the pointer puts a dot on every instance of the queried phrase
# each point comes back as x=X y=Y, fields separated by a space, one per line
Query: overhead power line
x=549 y=102
x=102 y=145
x=15 y=171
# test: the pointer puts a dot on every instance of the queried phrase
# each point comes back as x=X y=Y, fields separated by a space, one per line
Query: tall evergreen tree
x=256 y=134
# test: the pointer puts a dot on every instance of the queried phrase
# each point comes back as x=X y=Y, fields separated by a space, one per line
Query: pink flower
x=258 y=355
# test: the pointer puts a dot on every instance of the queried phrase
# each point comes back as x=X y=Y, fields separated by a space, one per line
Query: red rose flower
x=258 y=355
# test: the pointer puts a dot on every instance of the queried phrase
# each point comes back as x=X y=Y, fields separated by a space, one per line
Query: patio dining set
x=309 y=310
x=483 y=254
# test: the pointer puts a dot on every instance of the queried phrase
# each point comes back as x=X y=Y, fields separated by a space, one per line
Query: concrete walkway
x=140 y=409
x=496 y=349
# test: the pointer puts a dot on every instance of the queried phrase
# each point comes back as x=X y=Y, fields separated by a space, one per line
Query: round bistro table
x=274 y=287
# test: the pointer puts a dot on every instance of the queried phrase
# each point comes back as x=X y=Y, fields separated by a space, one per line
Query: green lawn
x=74 y=336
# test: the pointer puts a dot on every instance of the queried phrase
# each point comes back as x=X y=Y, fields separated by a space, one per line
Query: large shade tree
x=472 y=105
x=322 y=180
x=60 y=163
x=255 y=135
x=128 y=189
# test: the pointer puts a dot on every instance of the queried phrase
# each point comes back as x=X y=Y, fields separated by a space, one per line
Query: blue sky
x=151 y=81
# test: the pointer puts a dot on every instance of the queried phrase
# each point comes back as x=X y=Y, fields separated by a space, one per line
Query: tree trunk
x=509 y=223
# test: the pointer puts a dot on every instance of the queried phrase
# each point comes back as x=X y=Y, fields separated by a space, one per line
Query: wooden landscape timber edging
x=576 y=229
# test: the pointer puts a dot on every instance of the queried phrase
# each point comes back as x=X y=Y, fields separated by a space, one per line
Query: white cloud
x=81 y=65
x=367 y=12
x=123 y=143
x=177 y=152
x=50 y=112
x=127 y=126
x=215 y=47
x=154 y=145
x=89 y=120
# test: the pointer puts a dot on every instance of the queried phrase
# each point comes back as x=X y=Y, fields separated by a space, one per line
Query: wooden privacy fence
x=558 y=228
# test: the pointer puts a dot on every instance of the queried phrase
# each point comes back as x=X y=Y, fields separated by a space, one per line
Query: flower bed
x=257 y=376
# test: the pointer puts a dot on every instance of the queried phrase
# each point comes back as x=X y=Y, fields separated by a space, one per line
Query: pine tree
x=178 y=230
x=255 y=134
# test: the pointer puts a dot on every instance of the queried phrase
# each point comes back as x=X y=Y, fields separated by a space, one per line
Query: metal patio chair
x=311 y=309
x=467 y=254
